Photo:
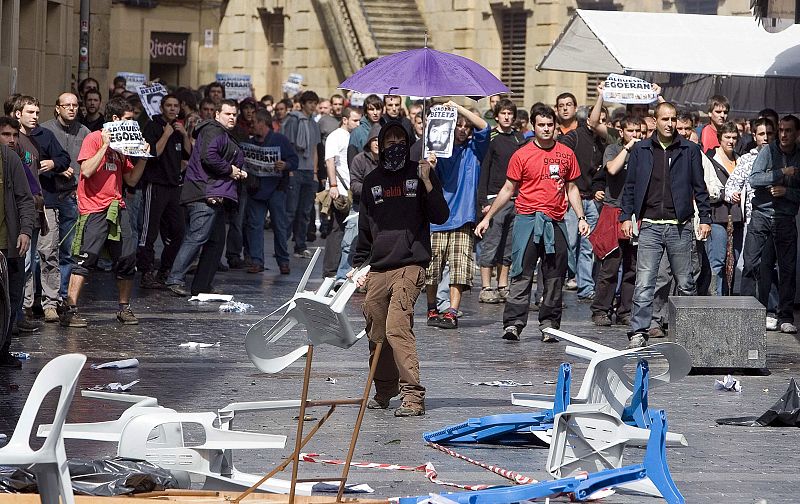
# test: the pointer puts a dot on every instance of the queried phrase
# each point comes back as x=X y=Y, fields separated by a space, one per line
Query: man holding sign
x=104 y=221
x=269 y=157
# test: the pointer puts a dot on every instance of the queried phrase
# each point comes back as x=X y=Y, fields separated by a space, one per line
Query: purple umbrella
x=425 y=72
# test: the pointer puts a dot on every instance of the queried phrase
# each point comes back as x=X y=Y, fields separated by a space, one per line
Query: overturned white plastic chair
x=321 y=312
x=609 y=380
x=48 y=463
x=587 y=440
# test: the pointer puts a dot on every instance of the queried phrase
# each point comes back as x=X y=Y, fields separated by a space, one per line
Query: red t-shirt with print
x=542 y=175
x=96 y=193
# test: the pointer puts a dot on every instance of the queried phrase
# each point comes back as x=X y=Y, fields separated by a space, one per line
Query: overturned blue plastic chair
x=654 y=467
x=506 y=427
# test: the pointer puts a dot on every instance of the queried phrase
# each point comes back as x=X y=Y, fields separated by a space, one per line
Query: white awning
x=624 y=42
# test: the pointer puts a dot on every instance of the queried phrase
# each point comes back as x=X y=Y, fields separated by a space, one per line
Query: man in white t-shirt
x=339 y=183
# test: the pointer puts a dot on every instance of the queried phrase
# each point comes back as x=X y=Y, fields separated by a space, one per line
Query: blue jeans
x=581 y=248
x=300 y=205
x=717 y=250
x=350 y=233
x=254 y=227
x=202 y=218
x=654 y=240
x=67 y=214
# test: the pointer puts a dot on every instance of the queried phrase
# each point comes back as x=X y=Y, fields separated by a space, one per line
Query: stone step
x=391 y=25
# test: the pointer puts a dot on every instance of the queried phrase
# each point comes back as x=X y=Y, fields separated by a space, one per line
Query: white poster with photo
x=237 y=86
x=126 y=138
x=151 y=97
x=133 y=80
x=260 y=161
x=439 y=131
x=628 y=90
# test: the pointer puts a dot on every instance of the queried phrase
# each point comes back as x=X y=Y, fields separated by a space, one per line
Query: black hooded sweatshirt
x=395 y=214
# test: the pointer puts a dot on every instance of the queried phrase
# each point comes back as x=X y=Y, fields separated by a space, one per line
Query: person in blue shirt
x=453 y=241
x=269 y=193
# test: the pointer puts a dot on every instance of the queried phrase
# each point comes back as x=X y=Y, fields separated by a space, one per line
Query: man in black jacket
x=399 y=201
x=16 y=228
x=494 y=250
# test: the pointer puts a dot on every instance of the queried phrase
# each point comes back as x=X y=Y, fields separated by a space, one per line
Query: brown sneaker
x=50 y=315
x=127 y=317
x=409 y=410
x=70 y=318
x=150 y=281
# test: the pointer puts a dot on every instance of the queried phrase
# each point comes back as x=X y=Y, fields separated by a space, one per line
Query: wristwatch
x=582 y=217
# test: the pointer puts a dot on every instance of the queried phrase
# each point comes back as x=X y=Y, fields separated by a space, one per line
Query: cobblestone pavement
x=721 y=465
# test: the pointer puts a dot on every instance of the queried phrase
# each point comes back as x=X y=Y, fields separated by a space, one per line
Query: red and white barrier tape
x=519 y=479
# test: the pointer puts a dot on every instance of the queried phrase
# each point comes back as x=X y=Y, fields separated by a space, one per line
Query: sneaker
x=548 y=338
x=433 y=318
x=534 y=306
x=8 y=361
x=70 y=318
x=638 y=340
x=28 y=326
x=489 y=295
x=50 y=315
x=409 y=410
x=162 y=276
x=601 y=319
x=624 y=320
x=149 y=281
x=303 y=254
x=255 y=268
x=127 y=317
x=235 y=263
x=376 y=403
x=179 y=290
x=449 y=319
x=284 y=268
x=788 y=328
x=656 y=332
x=772 y=323
x=571 y=284
x=511 y=333
x=503 y=293
x=587 y=298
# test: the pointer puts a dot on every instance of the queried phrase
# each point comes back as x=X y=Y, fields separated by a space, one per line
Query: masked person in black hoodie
x=399 y=201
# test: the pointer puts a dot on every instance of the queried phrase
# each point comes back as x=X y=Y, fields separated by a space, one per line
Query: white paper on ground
x=116 y=386
x=728 y=383
x=212 y=297
x=502 y=383
x=118 y=364
x=194 y=344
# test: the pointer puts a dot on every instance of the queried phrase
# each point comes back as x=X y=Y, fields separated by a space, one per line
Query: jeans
x=654 y=241
x=300 y=205
x=202 y=218
x=133 y=202
x=584 y=257
x=31 y=260
x=717 y=250
x=235 y=237
x=771 y=239
x=348 y=244
x=254 y=227
x=66 y=211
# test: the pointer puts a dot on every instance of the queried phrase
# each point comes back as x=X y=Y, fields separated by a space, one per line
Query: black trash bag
x=103 y=478
x=784 y=413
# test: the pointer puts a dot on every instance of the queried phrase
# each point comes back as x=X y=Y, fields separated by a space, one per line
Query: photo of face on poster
x=151 y=97
x=439 y=131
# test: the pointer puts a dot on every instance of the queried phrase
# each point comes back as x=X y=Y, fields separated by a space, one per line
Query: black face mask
x=395 y=157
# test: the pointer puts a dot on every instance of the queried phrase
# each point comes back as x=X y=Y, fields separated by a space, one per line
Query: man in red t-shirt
x=718 y=109
x=544 y=173
x=104 y=221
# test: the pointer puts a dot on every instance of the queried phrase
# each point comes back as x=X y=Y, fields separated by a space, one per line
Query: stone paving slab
x=722 y=464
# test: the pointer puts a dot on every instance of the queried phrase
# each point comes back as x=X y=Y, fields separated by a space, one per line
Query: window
x=592 y=80
x=513 y=32
x=698 y=6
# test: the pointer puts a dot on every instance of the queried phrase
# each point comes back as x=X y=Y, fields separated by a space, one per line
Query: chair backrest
x=63 y=371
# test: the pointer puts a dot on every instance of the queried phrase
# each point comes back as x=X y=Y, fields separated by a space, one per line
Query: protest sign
x=260 y=161
x=126 y=138
x=151 y=97
x=133 y=80
x=628 y=90
x=237 y=86
x=439 y=131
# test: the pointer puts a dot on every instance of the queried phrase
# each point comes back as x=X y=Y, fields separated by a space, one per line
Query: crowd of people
x=625 y=207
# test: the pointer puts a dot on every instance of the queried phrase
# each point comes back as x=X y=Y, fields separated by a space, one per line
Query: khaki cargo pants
x=389 y=311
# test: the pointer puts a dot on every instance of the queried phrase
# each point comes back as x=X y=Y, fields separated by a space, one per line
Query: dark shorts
x=95 y=241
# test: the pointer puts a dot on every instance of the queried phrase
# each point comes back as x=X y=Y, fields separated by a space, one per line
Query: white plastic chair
x=587 y=440
x=49 y=462
x=322 y=313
